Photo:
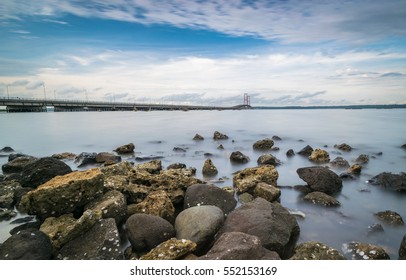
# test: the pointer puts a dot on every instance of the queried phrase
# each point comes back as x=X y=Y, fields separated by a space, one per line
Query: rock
x=125 y=149
x=29 y=244
x=107 y=158
x=375 y=228
x=65 y=155
x=402 y=249
x=18 y=193
x=364 y=251
x=316 y=251
x=321 y=198
x=199 y=224
x=306 y=151
x=319 y=156
x=239 y=246
x=13 y=156
x=157 y=203
x=268 y=159
x=343 y=147
x=122 y=168
x=390 y=217
x=276 y=138
x=42 y=170
x=219 y=136
x=245 y=198
x=111 y=205
x=198 y=137
x=247 y=179
x=209 y=169
x=355 y=169
x=395 y=182
x=148 y=157
x=347 y=176
x=179 y=150
x=266 y=191
x=403 y=146
x=320 y=179
x=264 y=144
x=220 y=147
x=29 y=225
x=146 y=231
x=290 y=153
x=362 y=159
x=277 y=229
x=152 y=167
x=133 y=193
x=7 y=150
x=101 y=242
x=202 y=194
x=176 y=166
x=340 y=162
x=6 y=214
x=238 y=157
x=85 y=158
x=7 y=190
x=17 y=165
x=65 y=228
x=171 y=249
x=63 y=194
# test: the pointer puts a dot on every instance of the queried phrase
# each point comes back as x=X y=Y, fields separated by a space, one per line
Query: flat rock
x=17 y=164
x=321 y=179
x=121 y=168
x=85 y=158
x=111 y=205
x=266 y=191
x=65 y=155
x=176 y=165
x=321 y=198
x=172 y=249
x=316 y=251
x=247 y=179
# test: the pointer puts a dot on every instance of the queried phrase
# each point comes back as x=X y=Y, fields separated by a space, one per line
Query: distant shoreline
x=385 y=106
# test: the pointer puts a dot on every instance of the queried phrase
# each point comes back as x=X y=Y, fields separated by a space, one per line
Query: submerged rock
x=238 y=157
x=319 y=156
x=355 y=169
x=177 y=165
x=172 y=249
x=264 y=144
x=321 y=198
x=198 y=137
x=125 y=149
x=395 y=182
x=7 y=149
x=362 y=159
x=320 y=179
x=268 y=159
x=316 y=251
x=84 y=159
x=340 y=162
x=390 y=217
x=375 y=228
x=306 y=151
x=365 y=251
x=209 y=169
x=343 y=147
x=247 y=179
x=290 y=153
x=219 y=136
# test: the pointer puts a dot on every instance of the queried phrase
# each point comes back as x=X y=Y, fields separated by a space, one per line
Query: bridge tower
x=247 y=100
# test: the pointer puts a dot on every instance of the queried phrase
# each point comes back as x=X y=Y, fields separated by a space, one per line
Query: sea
x=378 y=133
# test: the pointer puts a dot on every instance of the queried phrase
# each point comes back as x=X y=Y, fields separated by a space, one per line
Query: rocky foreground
x=169 y=213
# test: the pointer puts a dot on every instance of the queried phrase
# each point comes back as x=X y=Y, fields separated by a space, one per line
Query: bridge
x=16 y=104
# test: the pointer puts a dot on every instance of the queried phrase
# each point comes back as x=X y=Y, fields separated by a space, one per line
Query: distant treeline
x=384 y=106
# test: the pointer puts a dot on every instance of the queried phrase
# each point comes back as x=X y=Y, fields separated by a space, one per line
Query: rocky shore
x=117 y=209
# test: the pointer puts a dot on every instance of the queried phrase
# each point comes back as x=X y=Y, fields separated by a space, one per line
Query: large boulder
x=321 y=179
x=319 y=156
x=17 y=165
x=29 y=244
x=364 y=251
x=111 y=205
x=42 y=170
x=389 y=181
x=316 y=251
x=277 y=229
x=101 y=242
x=238 y=157
x=7 y=190
x=264 y=144
x=63 y=194
x=146 y=231
x=239 y=246
x=172 y=249
x=199 y=224
x=202 y=194
x=247 y=179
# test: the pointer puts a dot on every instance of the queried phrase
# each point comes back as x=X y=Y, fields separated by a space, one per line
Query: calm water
x=157 y=133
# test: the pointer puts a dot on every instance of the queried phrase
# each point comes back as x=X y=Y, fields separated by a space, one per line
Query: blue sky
x=205 y=52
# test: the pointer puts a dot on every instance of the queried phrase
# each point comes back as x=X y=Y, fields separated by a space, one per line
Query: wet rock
x=147 y=157
x=6 y=214
x=84 y=159
x=152 y=167
x=18 y=193
x=125 y=149
x=355 y=169
x=290 y=153
x=220 y=147
x=63 y=194
x=264 y=144
x=238 y=157
x=202 y=194
x=340 y=162
x=176 y=166
x=29 y=244
x=321 y=198
x=403 y=146
x=6 y=150
x=65 y=228
x=316 y=251
x=320 y=179
x=172 y=249
x=276 y=138
x=100 y=242
x=375 y=228
x=199 y=224
x=209 y=169
x=107 y=158
x=122 y=168
x=198 y=137
x=29 y=225
x=245 y=198
x=364 y=251
x=319 y=156
x=362 y=159
x=17 y=165
x=402 y=249
x=277 y=229
x=111 y=205
x=343 y=147
x=239 y=246
x=266 y=191
x=65 y=155
x=146 y=231
x=219 y=136
x=7 y=190
x=390 y=217
x=268 y=159
x=395 y=182
x=247 y=179
x=306 y=151
x=179 y=150
x=347 y=176
x=13 y=156
x=157 y=203
x=42 y=170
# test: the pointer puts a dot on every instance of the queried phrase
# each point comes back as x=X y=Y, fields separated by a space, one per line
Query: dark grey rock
x=147 y=157
x=125 y=149
x=219 y=136
x=17 y=165
x=290 y=153
x=238 y=157
x=390 y=217
x=176 y=166
x=112 y=205
x=362 y=159
x=198 y=137
x=107 y=158
x=13 y=156
x=179 y=150
x=29 y=225
x=28 y=244
x=343 y=147
x=306 y=151
x=340 y=162
x=264 y=144
x=375 y=228
x=316 y=251
x=402 y=249
x=321 y=179
x=6 y=214
x=268 y=159
x=85 y=158
x=395 y=182
x=276 y=138
x=7 y=150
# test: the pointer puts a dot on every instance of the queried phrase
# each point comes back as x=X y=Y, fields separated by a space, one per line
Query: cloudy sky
x=289 y=52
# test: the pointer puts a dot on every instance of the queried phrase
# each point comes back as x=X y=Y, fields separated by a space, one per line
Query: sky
x=282 y=53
